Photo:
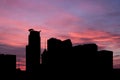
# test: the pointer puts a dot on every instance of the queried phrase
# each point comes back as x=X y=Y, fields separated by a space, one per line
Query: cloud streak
x=116 y=61
x=102 y=38
x=21 y=63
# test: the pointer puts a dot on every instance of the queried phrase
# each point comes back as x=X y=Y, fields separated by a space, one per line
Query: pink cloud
x=41 y=7
x=21 y=63
x=9 y=3
x=92 y=7
x=103 y=39
x=116 y=61
x=96 y=35
x=21 y=67
x=12 y=23
x=13 y=32
x=64 y=22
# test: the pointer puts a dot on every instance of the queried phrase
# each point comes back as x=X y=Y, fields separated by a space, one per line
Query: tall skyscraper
x=33 y=50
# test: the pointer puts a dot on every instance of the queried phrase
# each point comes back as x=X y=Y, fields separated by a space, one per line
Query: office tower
x=59 y=52
x=33 y=50
x=7 y=67
x=54 y=50
x=53 y=44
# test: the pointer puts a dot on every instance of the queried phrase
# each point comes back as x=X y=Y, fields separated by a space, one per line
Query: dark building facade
x=58 y=52
x=105 y=59
x=84 y=59
x=7 y=67
x=33 y=50
x=54 y=50
x=62 y=52
x=45 y=57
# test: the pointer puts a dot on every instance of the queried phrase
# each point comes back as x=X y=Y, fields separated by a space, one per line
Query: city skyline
x=59 y=55
x=82 y=21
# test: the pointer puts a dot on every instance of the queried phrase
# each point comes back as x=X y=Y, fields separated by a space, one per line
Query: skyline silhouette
x=41 y=39
x=82 y=21
x=81 y=58
x=53 y=45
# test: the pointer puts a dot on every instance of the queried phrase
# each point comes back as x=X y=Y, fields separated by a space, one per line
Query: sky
x=82 y=21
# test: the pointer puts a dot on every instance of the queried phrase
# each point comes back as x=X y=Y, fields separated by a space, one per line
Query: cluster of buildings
x=58 y=53
x=62 y=52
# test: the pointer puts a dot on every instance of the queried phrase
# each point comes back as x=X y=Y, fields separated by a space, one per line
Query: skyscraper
x=33 y=50
x=58 y=52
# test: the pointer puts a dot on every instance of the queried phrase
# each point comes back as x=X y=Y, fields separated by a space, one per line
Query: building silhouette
x=20 y=75
x=33 y=50
x=57 y=51
x=62 y=52
x=45 y=59
x=105 y=59
x=72 y=61
x=77 y=59
x=7 y=67
x=54 y=50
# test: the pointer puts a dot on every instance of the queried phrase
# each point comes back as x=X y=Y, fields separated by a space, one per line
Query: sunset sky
x=82 y=21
